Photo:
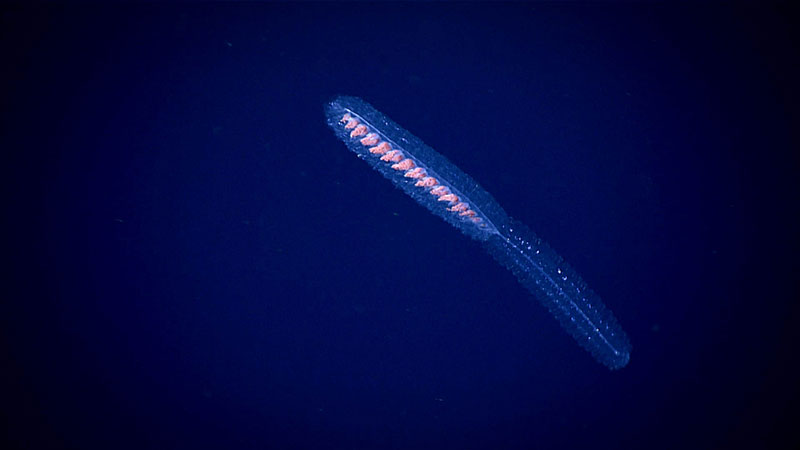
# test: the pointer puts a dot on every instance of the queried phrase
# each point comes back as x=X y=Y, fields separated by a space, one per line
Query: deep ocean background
x=195 y=261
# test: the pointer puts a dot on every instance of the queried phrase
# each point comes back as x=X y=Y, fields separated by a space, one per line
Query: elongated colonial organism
x=448 y=192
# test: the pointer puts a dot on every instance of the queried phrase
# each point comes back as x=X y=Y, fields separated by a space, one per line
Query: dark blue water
x=198 y=262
